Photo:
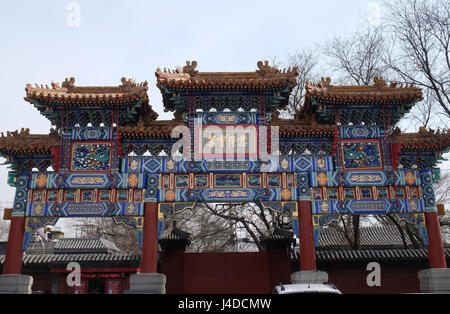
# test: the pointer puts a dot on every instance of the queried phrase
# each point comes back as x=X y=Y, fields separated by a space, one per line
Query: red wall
x=231 y=273
x=251 y=273
x=392 y=281
x=225 y=273
x=259 y=272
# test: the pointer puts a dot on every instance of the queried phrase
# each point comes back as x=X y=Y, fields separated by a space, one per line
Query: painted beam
x=224 y=195
x=368 y=206
x=403 y=177
x=52 y=180
x=84 y=209
x=174 y=165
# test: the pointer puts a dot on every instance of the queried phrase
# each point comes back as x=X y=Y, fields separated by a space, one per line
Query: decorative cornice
x=266 y=76
x=378 y=92
x=129 y=90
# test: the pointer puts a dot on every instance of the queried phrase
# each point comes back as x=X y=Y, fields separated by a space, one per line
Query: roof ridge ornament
x=55 y=85
x=189 y=68
x=131 y=83
x=69 y=83
x=53 y=132
x=23 y=131
x=325 y=82
x=265 y=68
x=424 y=130
x=379 y=82
x=128 y=82
x=396 y=84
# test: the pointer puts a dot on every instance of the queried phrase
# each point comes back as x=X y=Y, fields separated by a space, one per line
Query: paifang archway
x=341 y=154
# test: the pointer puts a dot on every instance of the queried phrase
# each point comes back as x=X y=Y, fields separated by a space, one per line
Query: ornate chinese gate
x=339 y=156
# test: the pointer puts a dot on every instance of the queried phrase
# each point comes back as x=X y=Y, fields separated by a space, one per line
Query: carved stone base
x=153 y=283
x=435 y=280
x=15 y=284
x=309 y=276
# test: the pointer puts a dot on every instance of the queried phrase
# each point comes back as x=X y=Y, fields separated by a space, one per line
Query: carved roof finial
x=55 y=85
x=325 y=82
x=265 y=68
x=53 y=132
x=23 y=131
x=379 y=82
x=189 y=68
x=423 y=130
x=393 y=84
x=128 y=82
x=69 y=83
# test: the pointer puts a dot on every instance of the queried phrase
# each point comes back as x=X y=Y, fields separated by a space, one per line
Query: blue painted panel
x=91 y=133
x=171 y=165
x=404 y=177
x=105 y=209
x=360 y=131
x=229 y=118
x=51 y=180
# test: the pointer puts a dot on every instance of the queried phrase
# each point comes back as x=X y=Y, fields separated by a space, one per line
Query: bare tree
x=229 y=227
x=208 y=232
x=421 y=43
x=306 y=61
x=4 y=227
x=423 y=114
x=419 y=53
x=357 y=58
x=442 y=193
x=4 y=224
x=124 y=237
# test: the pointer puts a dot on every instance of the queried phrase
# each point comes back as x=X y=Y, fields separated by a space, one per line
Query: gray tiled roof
x=98 y=245
x=83 y=250
x=369 y=236
x=174 y=237
x=55 y=259
x=364 y=255
x=379 y=243
x=75 y=245
x=379 y=255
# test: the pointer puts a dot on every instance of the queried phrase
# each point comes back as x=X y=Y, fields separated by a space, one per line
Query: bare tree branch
x=420 y=51
x=357 y=58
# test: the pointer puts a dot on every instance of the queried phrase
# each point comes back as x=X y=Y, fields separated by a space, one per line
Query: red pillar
x=13 y=259
x=307 y=249
x=150 y=239
x=436 y=256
